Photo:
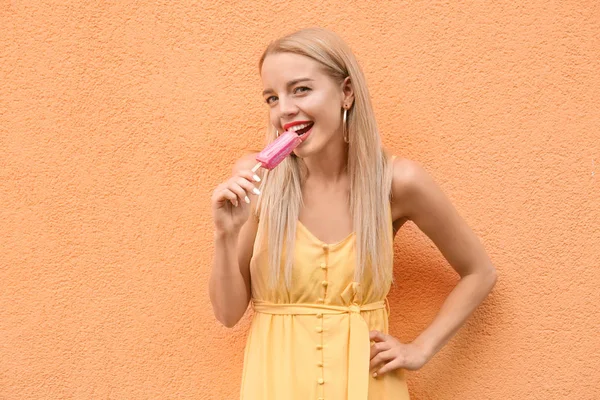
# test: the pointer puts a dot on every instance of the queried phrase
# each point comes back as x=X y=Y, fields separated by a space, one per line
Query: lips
x=295 y=123
x=305 y=128
x=306 y=133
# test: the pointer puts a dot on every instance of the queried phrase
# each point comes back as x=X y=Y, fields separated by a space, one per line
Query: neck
x=327 y=167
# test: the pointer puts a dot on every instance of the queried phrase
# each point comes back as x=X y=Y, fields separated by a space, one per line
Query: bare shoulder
x=417 y=197
x=410 y=182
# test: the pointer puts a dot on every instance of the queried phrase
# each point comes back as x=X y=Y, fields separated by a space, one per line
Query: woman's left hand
x=388 y=354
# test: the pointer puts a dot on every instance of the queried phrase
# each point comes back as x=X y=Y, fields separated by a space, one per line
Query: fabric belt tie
x=359 y=346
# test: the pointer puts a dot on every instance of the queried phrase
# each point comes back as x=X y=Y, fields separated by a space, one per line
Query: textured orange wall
x=117 y=121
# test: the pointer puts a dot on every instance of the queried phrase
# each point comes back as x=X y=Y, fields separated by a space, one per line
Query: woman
x=320 y=328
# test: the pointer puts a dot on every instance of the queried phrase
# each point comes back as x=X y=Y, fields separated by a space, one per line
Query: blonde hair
x=370 y=177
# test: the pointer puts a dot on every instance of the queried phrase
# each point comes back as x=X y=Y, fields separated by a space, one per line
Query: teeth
x=298 y=127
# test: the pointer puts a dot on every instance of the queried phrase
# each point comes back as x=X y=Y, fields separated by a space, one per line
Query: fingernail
x=247 y=200
x=256 y=191
x=256 y=178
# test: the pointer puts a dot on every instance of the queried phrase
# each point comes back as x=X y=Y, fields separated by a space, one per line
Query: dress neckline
x=319 y=241
x=322 y=243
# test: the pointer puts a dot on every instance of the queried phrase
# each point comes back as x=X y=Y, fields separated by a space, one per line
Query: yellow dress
x=312 y=342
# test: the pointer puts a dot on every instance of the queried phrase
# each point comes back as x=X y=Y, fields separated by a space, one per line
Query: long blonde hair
x=279 y=205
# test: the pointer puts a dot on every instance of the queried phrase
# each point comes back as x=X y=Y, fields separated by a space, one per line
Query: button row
x=319 y=329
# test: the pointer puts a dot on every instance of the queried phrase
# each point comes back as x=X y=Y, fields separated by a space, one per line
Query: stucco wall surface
x=118 y=119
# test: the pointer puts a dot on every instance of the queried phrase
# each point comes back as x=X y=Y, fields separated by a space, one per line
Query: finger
x=247 y=185
x=227 y=194
x=239 y=191
x=392 y=365
x=216 y=194
x=381 y=359
x=378 y=348
x=377 y=336
x=251 y=176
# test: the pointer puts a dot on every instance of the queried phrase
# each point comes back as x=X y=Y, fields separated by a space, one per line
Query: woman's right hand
x=231 y=201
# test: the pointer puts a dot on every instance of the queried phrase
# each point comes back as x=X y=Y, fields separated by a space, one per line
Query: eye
x=298 y=90
x=302 y=87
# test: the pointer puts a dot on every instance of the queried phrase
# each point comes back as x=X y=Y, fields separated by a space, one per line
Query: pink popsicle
x=277 y=150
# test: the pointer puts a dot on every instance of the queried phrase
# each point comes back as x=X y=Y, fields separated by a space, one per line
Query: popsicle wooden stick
x=256 y=167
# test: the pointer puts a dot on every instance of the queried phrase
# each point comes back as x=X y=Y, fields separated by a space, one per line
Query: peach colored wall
x=117 y=121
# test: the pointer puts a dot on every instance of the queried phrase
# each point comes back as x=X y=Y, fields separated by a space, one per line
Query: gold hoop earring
x=345 y=128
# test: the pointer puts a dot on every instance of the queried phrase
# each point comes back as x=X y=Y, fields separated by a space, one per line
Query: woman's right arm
x=235 y=232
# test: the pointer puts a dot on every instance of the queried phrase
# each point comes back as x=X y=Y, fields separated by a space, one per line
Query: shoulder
x=407 y=176
x=410 y=183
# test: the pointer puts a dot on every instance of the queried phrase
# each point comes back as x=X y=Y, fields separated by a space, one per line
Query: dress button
x=319 y=329
x=325 y=247
x=325 y=283
x=319 y=347
x=321 y=381
x=319 y=364
x=323 y=265
x=320 y=315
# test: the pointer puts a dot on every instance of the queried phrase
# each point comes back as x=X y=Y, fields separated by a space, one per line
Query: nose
x=287 y=107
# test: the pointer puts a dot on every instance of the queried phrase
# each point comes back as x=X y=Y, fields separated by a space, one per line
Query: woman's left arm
x=422 y=201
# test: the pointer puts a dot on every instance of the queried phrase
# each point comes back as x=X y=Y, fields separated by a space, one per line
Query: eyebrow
x=290 y=83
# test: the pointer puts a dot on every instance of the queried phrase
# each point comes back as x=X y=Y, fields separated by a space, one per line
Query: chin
x=300 y=153
x=304 y=149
